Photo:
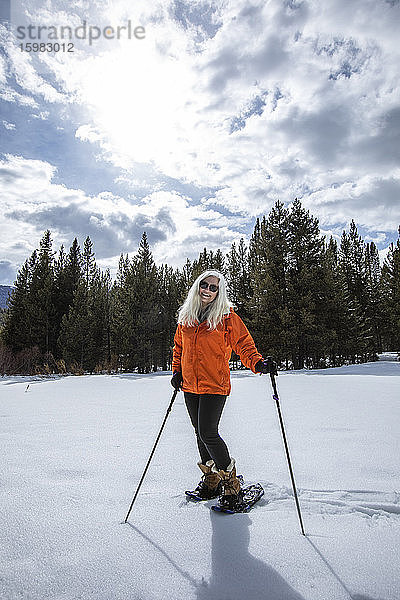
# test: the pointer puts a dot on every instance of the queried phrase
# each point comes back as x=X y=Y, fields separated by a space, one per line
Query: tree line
x=308 y=301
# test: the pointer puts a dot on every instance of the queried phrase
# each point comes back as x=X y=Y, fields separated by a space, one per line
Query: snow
x=74 y=448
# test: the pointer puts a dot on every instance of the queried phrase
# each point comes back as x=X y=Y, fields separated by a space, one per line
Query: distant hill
x=5 y=290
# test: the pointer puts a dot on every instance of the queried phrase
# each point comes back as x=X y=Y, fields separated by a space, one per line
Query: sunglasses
x=204 y=286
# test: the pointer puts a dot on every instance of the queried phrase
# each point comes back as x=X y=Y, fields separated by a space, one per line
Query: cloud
x=7 y=272
x=113 y=234
x=34 y=203
x=30 y=196
x=255 y=107
x=380 y=146
x=197 y=15
x=8 y=125
x=23 y=69
x=372 y=202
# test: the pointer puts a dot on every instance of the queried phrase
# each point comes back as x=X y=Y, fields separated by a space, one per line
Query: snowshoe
x=242 y=502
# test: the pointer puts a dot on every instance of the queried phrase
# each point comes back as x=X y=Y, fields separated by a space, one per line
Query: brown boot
x=210 y=485
x=230 y=486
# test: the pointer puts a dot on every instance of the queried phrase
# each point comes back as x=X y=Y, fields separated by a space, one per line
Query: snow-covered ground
x=73 y=450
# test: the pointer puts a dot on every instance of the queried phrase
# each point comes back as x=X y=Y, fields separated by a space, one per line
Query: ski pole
x=151 y=455
x=276 y=398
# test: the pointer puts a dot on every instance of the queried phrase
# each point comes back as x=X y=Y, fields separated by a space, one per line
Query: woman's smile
x=206 y=294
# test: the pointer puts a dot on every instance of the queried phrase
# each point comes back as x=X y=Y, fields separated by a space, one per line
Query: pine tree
x=390 y=286
x=236 y=275
x=59 y=264
x=139 y=311
x=74 y=336
x=16 y=331
x=243 y=289
x=83 y=335
x=73 y=270
x=217 y=261
x=88 y=262
x=67 y=274
x=121 y=321
x=255 y=261
x=207 y=260
x=334 y=316
x=98 y=352
x=304 y=275
x=202 y=264
x=351 y=339
x=169 y=300
x=147 y=308
x=41 y=308
x=276 y=231
x=187 y=278
x=353 y=268
x=374 y=294
x=255 y=248
x=268 y=265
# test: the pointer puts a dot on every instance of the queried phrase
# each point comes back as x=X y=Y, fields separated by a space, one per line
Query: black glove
x=176 y=380
x=266 y=366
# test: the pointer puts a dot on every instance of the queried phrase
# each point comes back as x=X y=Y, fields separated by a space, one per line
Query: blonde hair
x=220 y=306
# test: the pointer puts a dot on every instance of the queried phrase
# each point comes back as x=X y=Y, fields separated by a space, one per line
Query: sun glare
x=138 y=98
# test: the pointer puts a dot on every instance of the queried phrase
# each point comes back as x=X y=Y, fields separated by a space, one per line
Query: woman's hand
x=176 y=380
x=266 y=366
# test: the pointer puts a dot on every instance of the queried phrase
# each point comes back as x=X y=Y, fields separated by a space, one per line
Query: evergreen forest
x=309 y=302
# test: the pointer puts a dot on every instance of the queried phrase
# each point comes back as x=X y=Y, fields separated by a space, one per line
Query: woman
x=208 y=330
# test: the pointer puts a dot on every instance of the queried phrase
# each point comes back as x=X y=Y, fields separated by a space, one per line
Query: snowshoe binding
x=234 y=497
x=242 y=502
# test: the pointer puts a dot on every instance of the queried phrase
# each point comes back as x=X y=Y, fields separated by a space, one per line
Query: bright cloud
x=32 y=202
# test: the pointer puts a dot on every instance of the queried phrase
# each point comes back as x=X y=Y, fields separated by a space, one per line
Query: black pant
x=205 y=412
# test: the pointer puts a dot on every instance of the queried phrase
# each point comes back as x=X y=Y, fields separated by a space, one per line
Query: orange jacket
x=202 y=356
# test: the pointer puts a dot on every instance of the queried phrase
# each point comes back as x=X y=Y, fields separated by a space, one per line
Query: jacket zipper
x=196 y=331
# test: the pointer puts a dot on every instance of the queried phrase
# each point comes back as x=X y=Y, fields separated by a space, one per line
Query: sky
x=195 y=125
